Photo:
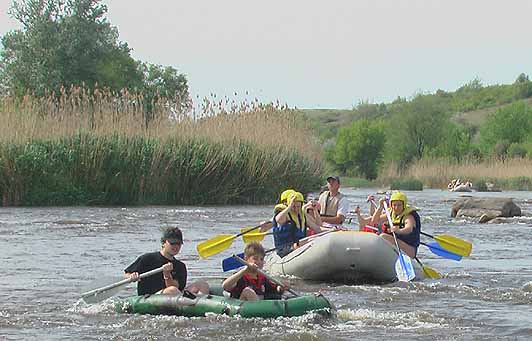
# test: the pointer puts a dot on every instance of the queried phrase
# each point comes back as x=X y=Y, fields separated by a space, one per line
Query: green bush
x=516 y=150
x=406 y=184
x=520 y=183
x=480 y=185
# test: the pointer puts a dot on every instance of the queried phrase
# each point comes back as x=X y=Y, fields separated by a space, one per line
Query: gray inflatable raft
x=343 y=256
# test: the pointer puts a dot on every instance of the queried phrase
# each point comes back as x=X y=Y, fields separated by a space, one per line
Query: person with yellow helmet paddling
x=290 y=222
x=406 y=223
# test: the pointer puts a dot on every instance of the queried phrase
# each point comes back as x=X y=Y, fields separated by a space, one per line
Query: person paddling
x=406 y=223
x=173 y=279
x=364 y=222
x=334 y=205
x=291 y=221
x=248 y=284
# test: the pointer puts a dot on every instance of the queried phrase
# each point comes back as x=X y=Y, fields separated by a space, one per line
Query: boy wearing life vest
x=406 y=223
x=249 y=285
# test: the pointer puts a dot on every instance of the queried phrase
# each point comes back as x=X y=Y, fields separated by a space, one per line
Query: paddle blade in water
x=215 y=245
x=404 y=268
x=438 y=250
x=455 y=245
x=101 y=295
x=431 y=273
x=231 y=263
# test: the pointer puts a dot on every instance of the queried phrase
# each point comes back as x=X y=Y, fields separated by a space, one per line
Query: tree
x=162 y=82
x=415 y=129
x=359 y=148
x=522 y=78
x=70 y=42
x=455 y=142
x=523 y=86
x=512 y=124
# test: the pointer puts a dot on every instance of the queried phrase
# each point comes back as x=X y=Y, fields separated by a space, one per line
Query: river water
x=50 y=255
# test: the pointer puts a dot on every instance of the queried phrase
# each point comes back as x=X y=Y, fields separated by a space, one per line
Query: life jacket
x=329 y=204
x=257 y=284
x=412 y=238
x=291 y=231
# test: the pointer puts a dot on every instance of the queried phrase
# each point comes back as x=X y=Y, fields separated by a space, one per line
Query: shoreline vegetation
x=508 y=174
x=98 y=149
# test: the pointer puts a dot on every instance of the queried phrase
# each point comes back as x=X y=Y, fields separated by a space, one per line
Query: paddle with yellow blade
x=452 y=244
x=231 y=263
x=429 y=272
x=220 y=243
x=254 y=236
x=449 y=243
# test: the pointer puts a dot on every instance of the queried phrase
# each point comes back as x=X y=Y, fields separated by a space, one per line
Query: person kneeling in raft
x=249 y=285
x=406 y=224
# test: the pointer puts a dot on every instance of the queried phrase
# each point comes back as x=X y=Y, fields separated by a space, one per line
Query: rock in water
x=485 y=208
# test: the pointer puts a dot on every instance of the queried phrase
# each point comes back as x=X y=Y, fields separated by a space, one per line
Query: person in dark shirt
x=249 y=285
x=173 y=279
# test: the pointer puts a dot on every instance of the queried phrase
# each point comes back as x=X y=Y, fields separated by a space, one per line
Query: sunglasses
x=175 y=243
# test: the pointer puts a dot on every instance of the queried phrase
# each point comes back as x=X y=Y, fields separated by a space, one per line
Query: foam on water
x=390 y=319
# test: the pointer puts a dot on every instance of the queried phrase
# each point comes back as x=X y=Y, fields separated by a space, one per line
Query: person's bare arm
x=231 y=281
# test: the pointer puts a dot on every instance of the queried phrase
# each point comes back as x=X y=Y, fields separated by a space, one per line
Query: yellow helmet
x=286 y=194
x=398 y=196
x=298 y=196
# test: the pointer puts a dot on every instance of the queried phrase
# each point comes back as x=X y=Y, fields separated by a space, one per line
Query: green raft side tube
x=174 y=305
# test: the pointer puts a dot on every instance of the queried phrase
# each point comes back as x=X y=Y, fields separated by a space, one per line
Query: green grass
x=357 y=182
x=406 y=184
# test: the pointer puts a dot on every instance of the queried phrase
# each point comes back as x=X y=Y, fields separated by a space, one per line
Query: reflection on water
x=50 y=255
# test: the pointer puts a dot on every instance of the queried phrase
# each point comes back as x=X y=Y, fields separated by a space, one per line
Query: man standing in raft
x=333 y=204
x=406 y=224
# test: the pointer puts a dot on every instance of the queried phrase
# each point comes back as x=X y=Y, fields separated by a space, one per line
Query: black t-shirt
x=154 y=283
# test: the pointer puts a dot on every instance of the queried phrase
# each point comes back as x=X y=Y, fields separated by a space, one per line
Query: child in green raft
x=249 y=285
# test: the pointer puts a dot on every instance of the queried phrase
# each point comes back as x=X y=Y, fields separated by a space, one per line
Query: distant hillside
x=470 y=104
x=327 y=121
x=477 y=117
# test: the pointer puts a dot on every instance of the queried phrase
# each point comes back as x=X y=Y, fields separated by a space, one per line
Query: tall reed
x=96 y=147
x=436 y=173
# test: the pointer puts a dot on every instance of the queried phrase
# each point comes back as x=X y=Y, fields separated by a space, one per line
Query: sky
x=326 y=54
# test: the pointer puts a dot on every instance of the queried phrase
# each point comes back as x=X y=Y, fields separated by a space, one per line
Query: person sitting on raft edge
x=290 y=222
x=334 y=205
x=406 y=223
x=247 y=284
x=173 y=279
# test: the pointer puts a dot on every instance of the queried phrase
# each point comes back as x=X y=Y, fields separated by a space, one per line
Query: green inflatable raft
x=177 y=305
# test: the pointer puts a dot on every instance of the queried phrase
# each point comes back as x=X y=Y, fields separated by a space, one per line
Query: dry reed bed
x=509 y=173
x=98 y=148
